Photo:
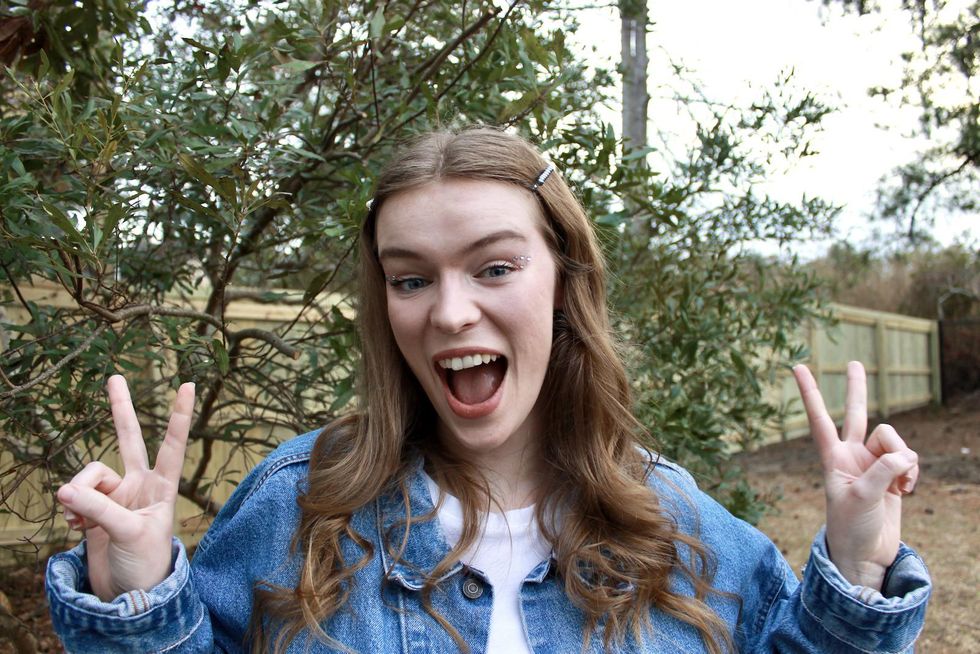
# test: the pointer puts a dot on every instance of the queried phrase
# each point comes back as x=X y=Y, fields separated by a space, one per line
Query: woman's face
x=471 y=289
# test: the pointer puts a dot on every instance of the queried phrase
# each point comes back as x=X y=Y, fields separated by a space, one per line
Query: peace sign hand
x=864 y=481
x=128 y=520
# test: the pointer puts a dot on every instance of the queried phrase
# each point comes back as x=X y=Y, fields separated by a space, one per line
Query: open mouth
x=473 y=382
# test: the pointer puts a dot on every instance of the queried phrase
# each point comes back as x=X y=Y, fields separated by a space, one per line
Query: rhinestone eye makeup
x=521 y=261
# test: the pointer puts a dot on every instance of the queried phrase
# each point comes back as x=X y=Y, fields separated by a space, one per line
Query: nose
x=455 y=307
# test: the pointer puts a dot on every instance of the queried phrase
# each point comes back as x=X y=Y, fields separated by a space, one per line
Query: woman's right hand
x=128 y=520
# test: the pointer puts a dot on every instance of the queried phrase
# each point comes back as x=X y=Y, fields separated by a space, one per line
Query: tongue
x=477 y=384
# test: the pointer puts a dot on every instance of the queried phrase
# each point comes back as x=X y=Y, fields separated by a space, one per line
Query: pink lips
x=461 y=409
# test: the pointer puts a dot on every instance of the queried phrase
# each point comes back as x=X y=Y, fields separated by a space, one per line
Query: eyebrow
x=489 y=239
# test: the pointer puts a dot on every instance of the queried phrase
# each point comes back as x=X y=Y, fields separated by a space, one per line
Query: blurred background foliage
x=155 y=152
x=940 y=80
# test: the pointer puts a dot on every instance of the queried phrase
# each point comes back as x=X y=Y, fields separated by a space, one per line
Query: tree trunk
x=633 y=66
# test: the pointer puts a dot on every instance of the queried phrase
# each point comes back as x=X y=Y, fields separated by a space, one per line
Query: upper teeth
x=469 y=361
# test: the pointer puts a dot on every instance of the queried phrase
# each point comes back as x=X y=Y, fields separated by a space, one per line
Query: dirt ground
x=941 y=520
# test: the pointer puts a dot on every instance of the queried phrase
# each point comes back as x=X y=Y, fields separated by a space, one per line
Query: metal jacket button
x=472 y=588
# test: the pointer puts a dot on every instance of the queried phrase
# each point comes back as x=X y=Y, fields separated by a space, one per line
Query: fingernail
x=67 y=494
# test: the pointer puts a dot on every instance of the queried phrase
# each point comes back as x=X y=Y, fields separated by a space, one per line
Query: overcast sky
x=738 y=48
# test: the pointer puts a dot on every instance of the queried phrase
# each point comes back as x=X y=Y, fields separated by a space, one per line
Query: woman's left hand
x=864 y=481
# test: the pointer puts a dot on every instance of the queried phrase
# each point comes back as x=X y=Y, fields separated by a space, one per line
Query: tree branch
x=20 y=297
x=469 y=64
x=149 y=310
x=50 y=372
x=933 y=185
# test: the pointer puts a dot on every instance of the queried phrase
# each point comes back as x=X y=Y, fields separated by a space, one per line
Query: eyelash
x=400 y=283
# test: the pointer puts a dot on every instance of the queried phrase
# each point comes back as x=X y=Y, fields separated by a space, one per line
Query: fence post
x=815 y=356
x=881 y=347
x=935 y=364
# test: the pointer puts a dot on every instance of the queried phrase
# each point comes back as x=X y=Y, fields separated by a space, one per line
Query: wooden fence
x=228 y=464
x=899 y=352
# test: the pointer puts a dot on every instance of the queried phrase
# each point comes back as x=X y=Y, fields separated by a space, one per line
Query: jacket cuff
x=864 y=618
x=170 y=609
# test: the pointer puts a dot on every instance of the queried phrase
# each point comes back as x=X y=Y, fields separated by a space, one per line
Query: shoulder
x=266 y=498
x=695 y=511
x=289 y=460
x=746 y=562
x=668 y=479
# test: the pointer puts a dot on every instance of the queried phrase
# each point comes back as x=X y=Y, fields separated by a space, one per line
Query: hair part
x=616 y=546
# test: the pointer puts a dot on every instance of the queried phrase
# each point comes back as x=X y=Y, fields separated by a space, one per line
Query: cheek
x=404 y=327
x=532 y=317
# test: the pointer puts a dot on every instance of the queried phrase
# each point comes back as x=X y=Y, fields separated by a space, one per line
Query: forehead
x=451 y=214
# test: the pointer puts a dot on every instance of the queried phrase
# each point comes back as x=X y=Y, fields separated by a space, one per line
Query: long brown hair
x=615 y=545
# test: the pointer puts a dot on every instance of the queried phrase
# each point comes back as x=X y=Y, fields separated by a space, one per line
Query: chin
x=476 y=440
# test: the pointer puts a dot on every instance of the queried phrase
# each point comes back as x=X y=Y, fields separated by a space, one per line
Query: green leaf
x=344 y=392
x=220 y=356
x=518 y=106
x=638 y=154
x=59 y=218
x=196 y=206
x=316 y=285
x=377 y=24
x=296 y=66
x=534 y=47
x=200 y=46
x=201 y=174
x=112 y=218
x=18 y=167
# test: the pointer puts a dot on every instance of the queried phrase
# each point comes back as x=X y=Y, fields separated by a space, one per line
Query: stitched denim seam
x=183 y=640
x=138 y=600
x=894 y=566
x=279 y=464
x=771 y=601
x=99 y=615
x=803 y=603
x=274 y=467
x=806 y=608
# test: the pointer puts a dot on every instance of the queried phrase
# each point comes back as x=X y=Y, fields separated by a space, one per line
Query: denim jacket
x=206 y=606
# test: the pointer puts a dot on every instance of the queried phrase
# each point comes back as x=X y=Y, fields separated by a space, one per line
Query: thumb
x=880 y=476
x=98 y=510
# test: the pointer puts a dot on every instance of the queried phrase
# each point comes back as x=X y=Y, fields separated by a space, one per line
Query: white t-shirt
x=510 y=547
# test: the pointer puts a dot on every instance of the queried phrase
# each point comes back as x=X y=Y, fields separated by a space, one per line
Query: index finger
x=132 y=449
x=170 y=458
x=822 y=426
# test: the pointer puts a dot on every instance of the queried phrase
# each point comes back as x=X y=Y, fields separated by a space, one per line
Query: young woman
x=490 y=495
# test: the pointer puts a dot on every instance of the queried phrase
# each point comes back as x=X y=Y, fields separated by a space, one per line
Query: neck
x=512 y=472
x=514 y=477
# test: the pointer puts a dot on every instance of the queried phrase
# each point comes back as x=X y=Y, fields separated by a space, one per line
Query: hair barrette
x=543 y=177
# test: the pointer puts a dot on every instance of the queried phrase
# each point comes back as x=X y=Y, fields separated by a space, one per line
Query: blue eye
x=497 y=270
x=407 y=284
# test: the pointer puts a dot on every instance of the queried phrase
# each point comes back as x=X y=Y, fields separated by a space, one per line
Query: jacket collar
x=426 y=547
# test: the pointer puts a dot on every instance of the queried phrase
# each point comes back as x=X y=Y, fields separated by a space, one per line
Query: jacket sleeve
x=773 y=610
x=200 y=607
x=826 y=613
